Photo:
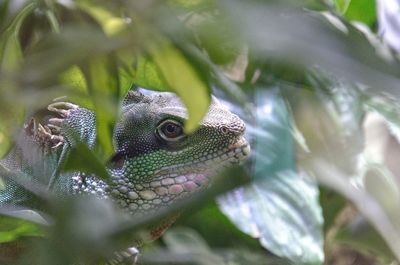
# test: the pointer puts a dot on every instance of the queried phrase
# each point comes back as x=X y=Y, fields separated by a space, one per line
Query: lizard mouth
x=204 y=168
x=183 y=182
x=233 y=154
x=240 y=149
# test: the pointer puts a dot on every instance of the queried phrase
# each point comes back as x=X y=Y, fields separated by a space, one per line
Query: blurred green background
x=315 y=81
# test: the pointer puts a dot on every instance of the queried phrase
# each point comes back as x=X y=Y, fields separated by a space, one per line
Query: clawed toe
x=43 y=134
x=54 y=128
x=56 y=122
x=62 y=108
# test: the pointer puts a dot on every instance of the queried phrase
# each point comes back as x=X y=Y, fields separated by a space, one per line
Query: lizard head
x=156 y=162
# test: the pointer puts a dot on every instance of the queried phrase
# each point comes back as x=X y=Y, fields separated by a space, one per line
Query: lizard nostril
x=235 y=130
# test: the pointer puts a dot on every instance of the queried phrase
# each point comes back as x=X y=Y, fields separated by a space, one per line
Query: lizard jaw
x=241 y=148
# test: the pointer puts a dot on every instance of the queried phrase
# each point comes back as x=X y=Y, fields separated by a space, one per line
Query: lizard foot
x=42 y=134
x=63 y=110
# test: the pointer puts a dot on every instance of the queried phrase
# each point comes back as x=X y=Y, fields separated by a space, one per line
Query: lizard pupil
x=172 y=130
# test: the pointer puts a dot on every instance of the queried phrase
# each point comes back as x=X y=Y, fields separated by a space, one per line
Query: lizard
x=155 y=162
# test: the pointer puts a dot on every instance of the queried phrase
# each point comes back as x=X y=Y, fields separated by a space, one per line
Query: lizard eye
x=170 y=130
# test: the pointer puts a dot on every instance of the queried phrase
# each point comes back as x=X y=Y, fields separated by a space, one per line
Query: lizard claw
x=43 y=135
x=56 y=122
x=49 y=134
x=62 y=108
x=30 y=127
x=43 y=130
x=54 y=128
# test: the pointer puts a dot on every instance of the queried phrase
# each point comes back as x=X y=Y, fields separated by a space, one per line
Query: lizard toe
x=63 y=109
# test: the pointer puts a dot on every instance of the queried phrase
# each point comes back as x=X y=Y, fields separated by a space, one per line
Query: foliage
x=304 y=75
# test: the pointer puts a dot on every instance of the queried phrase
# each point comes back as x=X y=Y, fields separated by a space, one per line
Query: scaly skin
x=155 y=163
x=150 y=170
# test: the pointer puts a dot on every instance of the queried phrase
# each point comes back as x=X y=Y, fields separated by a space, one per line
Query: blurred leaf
x=103 y=86
x=388 y=109
x=187 y=247
x=53 y=21
x=362 y=10
x=358 y=234
x=93 y=44
x=216 y=228
x=182 y=78
x=4 y=142
x=388 y=22
x=147 y=75
x=80 y=234
x=81 y=158
x=342 y=5
x=288 y=35
x=283 y=212
x=192 y=3
x=281 y=207
x=11 y=52
x=110 y=23
x=331 y=203
x=219 y=40
x=185 y=240
x=14 y=228
x=335 y=109
x=380 y=183
x=10 y=48
x=334 y=153
x=75 y=79
x=25 y=214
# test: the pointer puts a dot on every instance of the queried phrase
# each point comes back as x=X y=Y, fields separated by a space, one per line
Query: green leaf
x=182 y=78
x=362 y=10
x=185 y=240
x=281 y=207
x=147 y=75
x=110 y=23
x=219 y=40
x=342 y=5
x=10 y=48
x=81 y=158
x=103 y=85
x=358 y=234
x=74 y=78
x=14 y=228
x=187 y=245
